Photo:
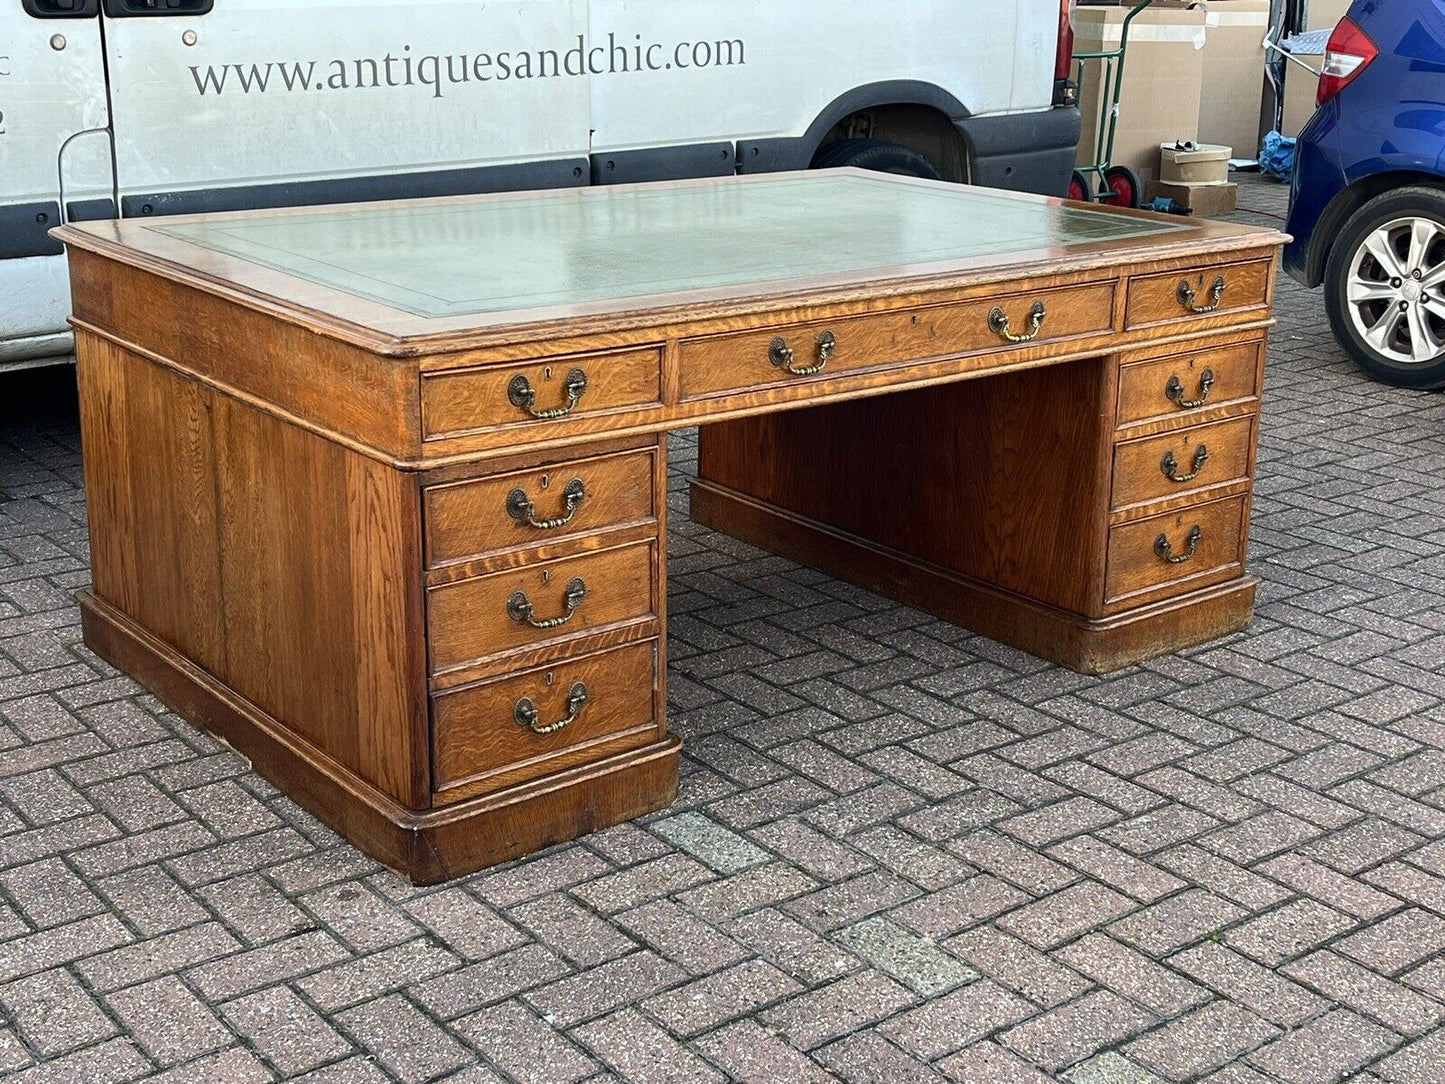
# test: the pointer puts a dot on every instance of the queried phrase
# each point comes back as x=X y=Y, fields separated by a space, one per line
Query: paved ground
x=901 y=852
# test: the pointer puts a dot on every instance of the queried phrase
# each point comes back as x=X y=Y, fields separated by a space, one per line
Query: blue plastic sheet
x=1276 y=156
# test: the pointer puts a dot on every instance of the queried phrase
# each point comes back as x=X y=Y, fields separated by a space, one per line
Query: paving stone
x=410 y=1046
x=284 y=1030
x=707 y=1002
x=943 y=1024
x=463 y=924
x=836 y=1009
x=1021 y=968
x=54 y=1013
x=1175 y=922
x=1072 y=1032
x=709 y=842
x=639 y=1051
x=1363 y=990
x=692 y=944
x=1260 y=989
x=1418 y=1063
x=1395 y=943
x=525 y=1046
x=1066 y=914
x=989 y=1063
x=915 y=961
x=601 y=989
x=1326 y=1049
x=1132 y=974
x=1288 y=931
x=168 y=1021
x=1205 y=1039
x=1109 y=1068
x=749 y=1054
x=570 y=930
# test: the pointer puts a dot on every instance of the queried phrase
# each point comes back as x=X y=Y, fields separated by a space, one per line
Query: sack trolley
x=1103 y=181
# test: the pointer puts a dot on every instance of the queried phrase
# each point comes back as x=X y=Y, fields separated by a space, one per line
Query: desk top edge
x=389 y=331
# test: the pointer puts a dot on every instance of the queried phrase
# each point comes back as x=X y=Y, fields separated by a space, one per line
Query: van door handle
x=127 y=9
x=61 y=9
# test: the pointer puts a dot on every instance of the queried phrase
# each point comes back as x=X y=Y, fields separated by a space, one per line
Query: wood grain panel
x=1140 y=474
x=1143 y=385
x=722 y=363
x=1155 y=299
x=1003 y=480
x=469 y=518
x=476 y=733
x=469 y=620
x=1136 y=571
x=148 y=457
x=320 y=606
x=460 y=400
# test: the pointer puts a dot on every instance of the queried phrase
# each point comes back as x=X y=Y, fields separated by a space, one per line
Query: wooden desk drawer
x=1197 y=293
x=1206 y=542
x=529 y=507
x=1182 y=462
x=471 y=619
x=746 y=360
x=1184 y=386
x=464 y=400
x=604 y=701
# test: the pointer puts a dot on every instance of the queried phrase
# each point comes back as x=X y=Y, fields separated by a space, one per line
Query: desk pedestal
x=1001 y=505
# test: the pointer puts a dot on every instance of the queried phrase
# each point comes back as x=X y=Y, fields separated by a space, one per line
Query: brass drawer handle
x=519 y=606
x=525 y=713
x=1185 y=294
x=1169 y=465
x=998 y=323
x=781 y=354
x=1174 y=390
x=1191 y=543
x=521 y=508
x=520 y=393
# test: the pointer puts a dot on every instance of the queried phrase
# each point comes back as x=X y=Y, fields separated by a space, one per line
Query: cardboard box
x=1203 y=200
x=1162 y=73
x=1324 y=14
x=1231 y=92
x=1299 y=93
x=1206 y=163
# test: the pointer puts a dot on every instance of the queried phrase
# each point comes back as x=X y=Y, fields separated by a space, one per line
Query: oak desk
x=376 y=493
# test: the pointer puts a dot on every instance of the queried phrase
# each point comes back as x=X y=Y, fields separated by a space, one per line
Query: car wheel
x=875 y=154
x=1385 y=287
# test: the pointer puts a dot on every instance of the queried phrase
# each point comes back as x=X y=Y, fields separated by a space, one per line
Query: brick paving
x=901 y=852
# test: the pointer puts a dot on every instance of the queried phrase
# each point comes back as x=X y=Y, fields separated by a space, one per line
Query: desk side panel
x=287 y=566
x=287 y=368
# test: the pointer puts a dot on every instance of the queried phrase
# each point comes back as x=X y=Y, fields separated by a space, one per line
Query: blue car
x=1367 y=208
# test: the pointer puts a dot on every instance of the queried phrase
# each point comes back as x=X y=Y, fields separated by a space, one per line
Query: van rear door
x=226 y=104
x=52 y=89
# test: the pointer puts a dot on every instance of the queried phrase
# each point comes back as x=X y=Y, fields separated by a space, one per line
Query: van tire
x=878 y=155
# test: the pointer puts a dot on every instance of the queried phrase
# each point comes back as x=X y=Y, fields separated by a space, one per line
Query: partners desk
x=377 y=493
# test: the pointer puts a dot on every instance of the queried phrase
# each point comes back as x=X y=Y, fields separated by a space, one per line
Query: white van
x=156 y=107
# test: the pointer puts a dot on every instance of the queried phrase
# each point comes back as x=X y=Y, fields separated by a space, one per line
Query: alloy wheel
x=1395 y=292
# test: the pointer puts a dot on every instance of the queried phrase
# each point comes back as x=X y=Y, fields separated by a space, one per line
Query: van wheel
x=875 y=154
x=1385 y=287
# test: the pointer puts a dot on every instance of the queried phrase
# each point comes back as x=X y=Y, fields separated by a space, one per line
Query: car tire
x=878 y=155
x=1385 y=287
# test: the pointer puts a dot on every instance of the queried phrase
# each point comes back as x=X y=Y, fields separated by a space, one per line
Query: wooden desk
x=376 y=493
